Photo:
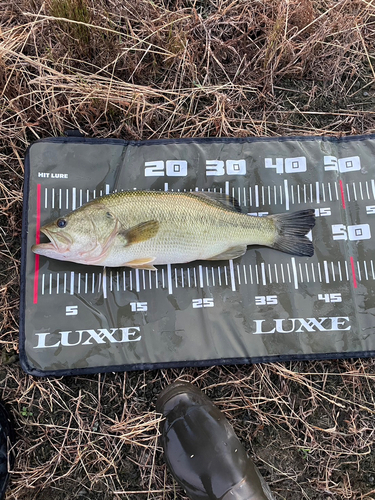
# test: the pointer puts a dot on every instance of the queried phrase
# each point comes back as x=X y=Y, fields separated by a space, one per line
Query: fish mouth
x=58 y=243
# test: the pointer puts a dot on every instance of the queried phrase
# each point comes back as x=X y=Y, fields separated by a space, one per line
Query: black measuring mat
x=264 y=306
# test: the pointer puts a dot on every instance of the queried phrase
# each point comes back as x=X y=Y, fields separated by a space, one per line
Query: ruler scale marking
x=244 y=273
x=71 y=282
x=367 y=191
x=365 y=268
x=282 y=273
x=251 y=274
x=263 y=272
x=200 y=270
x=300 y=272
x=336 y=191
x=286 y=192
x=276 y=275
x=333 y=272
x=238 y=274
x=307 y=273
x=361 y=190
x=326 y=271
x=319 y=273
x=297 y=272
x=329 y=192
x=348 y=192
x=289 y=275
x=294 y=269
x=354 y=191
x=339 y=268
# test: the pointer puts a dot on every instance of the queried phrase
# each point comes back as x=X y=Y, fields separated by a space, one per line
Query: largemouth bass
x=140 y=229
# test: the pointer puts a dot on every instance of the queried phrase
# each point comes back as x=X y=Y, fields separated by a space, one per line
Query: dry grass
x=139 y=69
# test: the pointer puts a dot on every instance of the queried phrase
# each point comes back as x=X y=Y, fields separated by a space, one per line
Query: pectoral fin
x=141 y=232
x=231 y=253
x=142 y=264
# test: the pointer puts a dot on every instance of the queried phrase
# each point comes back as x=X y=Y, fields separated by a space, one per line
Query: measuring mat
x=264 y=306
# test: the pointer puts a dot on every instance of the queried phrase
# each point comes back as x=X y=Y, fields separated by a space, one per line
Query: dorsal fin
x=218 y=199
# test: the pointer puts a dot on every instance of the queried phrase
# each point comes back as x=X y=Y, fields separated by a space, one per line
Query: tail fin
x=291 y=230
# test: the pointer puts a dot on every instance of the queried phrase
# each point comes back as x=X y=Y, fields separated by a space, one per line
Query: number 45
x=330 y=297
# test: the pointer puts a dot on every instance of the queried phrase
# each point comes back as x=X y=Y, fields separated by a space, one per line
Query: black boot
x=6 y=441
x=202 y=451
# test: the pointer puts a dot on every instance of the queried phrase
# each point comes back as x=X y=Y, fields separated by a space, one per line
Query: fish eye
x=61 y=223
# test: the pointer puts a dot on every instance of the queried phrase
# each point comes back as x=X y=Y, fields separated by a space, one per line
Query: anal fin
x=230 y=253
x=141 y=264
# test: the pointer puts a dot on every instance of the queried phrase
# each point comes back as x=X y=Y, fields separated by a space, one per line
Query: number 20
x=172 y=168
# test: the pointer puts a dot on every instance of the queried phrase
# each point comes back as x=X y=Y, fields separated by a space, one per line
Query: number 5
x=339 y=232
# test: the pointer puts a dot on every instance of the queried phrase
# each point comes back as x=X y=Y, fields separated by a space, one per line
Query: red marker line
x=342 y=195
x=353 y=272
x=37 y=241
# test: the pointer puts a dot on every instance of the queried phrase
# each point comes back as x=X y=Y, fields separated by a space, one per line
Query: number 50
x=352 y=233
